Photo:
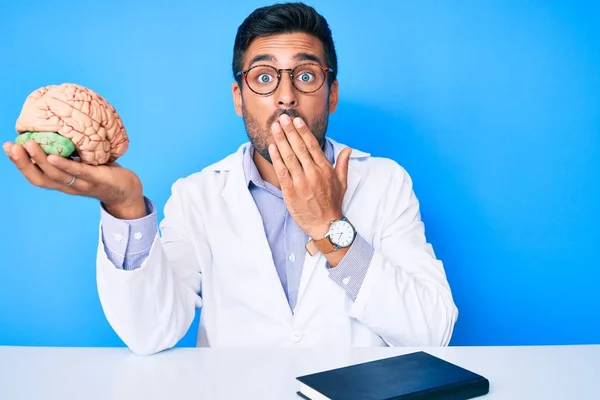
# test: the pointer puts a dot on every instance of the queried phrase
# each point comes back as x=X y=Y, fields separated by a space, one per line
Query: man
x=292 y=240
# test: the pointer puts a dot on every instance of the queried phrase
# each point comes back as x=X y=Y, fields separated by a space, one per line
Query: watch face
x=341 y=233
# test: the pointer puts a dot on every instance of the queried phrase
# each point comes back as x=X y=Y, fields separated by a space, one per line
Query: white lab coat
x=213 y=253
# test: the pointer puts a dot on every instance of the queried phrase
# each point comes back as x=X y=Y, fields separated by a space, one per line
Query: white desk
x=556 y=372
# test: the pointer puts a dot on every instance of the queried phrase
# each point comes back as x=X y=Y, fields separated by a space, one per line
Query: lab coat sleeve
x=405 y=297
x=152 y=307
x=128 y=242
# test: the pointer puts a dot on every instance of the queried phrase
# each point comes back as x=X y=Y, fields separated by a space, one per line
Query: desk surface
x=552 y=372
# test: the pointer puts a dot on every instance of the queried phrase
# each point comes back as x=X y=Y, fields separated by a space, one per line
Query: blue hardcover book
x=414 y=376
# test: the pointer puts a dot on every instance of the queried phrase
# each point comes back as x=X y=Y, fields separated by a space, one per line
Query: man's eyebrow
x=272 y=59
x=263 y=57
x=307 y=57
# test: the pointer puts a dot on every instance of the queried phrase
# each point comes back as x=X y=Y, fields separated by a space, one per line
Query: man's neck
x=266 y=170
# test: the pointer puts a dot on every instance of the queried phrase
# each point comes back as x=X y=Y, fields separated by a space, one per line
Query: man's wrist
x=323 y=227
x=334 y=249
x=335 y=257
x=134 y=209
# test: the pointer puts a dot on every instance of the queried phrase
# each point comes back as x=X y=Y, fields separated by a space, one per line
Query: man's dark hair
x=284 y=18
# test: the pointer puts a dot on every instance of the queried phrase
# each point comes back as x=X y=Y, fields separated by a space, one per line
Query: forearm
x=127 y=242
x=134 y=209
x=152 y=306
x=406 y=308
x=403 y=309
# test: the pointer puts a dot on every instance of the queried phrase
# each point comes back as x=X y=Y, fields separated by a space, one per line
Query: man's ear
x=236 y=91
x=333 y=96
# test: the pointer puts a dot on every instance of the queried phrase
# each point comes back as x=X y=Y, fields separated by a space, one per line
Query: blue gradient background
x=492 y=107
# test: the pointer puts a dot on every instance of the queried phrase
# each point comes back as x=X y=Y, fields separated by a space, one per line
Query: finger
x=33 y=172
x=296 y=142
x=80 y=170
x=341 y=166
x=282 y=172
x=85 y=175
x=286 y=152
x=20 y=157
x=58 y=176
x=311 y=143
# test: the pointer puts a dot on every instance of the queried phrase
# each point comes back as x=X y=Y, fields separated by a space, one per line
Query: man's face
x=260 y=111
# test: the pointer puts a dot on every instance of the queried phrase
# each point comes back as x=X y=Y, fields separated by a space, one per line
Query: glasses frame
x=244 y=73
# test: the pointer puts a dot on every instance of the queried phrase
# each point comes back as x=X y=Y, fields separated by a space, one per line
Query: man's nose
x=286 y=93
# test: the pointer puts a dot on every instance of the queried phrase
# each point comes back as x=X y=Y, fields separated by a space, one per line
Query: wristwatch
x=341 y=234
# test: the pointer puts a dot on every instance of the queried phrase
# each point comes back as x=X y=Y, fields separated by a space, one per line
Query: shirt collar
x=251 y=172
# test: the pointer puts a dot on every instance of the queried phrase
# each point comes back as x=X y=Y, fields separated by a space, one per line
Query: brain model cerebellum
x=71 y=120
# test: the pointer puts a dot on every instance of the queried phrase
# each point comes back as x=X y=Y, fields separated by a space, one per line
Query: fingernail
x=285 y=119
x=276 y=128
x=298 y=122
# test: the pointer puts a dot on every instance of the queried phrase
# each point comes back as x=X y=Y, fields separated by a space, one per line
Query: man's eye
x=264 y=78
x=306 y=77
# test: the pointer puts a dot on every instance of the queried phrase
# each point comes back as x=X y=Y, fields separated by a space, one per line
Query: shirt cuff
x=128 y=242
x=350 y=273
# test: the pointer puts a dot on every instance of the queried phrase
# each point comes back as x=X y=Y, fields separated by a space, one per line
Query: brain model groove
x=70 y=120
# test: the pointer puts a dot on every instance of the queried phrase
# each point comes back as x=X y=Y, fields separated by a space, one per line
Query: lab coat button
x=297 y=336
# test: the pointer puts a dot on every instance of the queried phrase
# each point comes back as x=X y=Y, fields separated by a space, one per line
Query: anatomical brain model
x=70 y=120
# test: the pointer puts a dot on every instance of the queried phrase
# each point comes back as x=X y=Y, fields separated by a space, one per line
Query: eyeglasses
x=265 y=79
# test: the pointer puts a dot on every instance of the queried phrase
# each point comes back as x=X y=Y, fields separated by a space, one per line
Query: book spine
x=462 y=392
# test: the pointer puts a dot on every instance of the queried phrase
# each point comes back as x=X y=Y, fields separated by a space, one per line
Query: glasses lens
x=308 y=77
x=262 y=79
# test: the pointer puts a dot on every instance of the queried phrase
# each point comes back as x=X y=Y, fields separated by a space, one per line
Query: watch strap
x=321 y=245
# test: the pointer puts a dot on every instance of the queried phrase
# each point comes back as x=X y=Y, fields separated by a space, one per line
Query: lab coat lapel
x=254 y=241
